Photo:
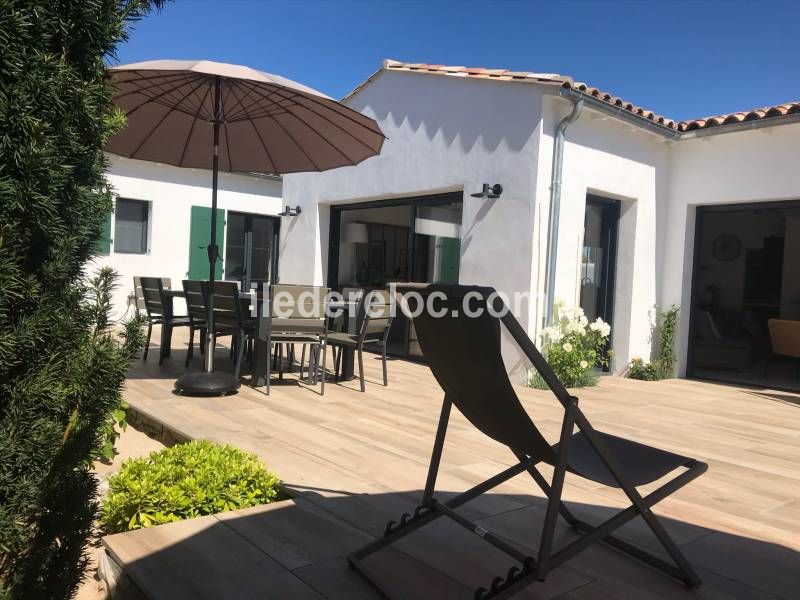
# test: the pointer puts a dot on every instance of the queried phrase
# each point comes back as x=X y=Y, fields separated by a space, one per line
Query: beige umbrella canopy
x=218 y=116
x=268 y=124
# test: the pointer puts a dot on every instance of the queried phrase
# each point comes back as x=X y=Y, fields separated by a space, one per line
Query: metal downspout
x=555 y=205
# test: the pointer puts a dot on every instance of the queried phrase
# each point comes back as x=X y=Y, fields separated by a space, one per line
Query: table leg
x=165 y=340
x=348 y=360
x=166 y=329
x=261 y=350
x=168 y=341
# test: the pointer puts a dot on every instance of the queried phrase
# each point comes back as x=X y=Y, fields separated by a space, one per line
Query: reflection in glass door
x=598 y=258
x=373 y=244
x=437 y=243
x=251 y=249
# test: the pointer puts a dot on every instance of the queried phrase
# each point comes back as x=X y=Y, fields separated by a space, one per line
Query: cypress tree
x=61 y=367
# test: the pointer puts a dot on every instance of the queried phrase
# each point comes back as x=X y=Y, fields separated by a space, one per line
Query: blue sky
x=681 y=59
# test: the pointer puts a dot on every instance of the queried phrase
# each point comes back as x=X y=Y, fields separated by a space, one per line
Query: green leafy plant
x=185 y=481
x=574 y=348
x=663 y=365
x=638 y=369
x=61 y=367
x=132 y=337
x=667 y=328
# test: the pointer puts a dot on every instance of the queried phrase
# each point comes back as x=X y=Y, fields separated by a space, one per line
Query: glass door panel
x=262 y=235
x=235 y=247
x=398 y=240
x=251 y=248
x=437 y=251
x=598 y=258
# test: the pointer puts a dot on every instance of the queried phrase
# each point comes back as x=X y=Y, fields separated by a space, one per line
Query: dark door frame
x=248 y=243
x=413 y=201
x=700 y=212
x=610 y=235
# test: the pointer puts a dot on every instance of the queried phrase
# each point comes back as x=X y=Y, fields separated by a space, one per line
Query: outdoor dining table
x=262 y=330
x=262 y=334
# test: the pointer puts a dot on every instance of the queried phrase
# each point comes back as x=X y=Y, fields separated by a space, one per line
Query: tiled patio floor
x=356 y=460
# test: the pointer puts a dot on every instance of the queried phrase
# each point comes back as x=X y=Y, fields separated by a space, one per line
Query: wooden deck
x=356 y=460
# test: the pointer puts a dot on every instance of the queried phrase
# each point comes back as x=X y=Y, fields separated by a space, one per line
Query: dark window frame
x=144 y=247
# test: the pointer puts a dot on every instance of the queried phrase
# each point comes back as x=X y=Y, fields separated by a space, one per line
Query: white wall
x=172 y=192
x=748 y=166
x=606 y=157
x=443 y=134
x=454 y=134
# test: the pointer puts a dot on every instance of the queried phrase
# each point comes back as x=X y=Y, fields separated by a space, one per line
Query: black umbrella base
x=206 y=383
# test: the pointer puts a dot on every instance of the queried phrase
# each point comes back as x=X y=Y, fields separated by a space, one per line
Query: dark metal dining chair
x=463 y=351
x=197 y=308
x=159 y=312
x=138 y=295
x=298 y=316
x=230 y=319
x=375 y=313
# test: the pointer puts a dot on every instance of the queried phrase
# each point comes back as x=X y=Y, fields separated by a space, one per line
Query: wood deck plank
x=361 y=458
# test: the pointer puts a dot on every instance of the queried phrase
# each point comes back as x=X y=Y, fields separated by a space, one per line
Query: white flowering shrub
x=574 y=347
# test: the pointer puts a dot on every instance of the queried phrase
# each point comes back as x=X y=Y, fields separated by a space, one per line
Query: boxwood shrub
x=185 y=481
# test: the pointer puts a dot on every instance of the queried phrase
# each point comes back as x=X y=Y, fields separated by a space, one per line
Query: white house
x=162 y=221
x=703 y=213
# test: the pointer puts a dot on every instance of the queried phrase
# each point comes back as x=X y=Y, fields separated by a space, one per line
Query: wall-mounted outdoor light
x=288 y=211
x=489 y=191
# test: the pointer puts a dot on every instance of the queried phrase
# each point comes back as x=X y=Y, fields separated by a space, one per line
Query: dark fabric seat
x=462 y=342
x=641 y=464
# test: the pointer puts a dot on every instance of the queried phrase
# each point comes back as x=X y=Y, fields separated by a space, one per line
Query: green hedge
x=61 y=371
x=185 y=481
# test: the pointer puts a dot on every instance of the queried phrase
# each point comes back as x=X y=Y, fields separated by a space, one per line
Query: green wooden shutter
x=449 y=257
x=200 y=238
x=103 y=244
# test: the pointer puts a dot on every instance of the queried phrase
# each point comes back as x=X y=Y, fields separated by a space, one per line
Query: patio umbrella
x=218 y=116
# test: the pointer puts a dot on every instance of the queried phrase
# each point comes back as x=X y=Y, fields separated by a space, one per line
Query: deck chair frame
x=530 y=568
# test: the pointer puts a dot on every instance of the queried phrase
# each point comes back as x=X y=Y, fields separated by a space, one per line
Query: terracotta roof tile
x=480 y=72
x=780 y=110
x=767 y=112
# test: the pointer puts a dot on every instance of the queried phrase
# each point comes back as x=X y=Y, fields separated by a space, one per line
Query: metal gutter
x=619 y=112
x=623 y=114
x=555 y=204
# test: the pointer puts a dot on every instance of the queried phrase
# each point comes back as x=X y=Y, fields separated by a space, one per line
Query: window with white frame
x=130 y=226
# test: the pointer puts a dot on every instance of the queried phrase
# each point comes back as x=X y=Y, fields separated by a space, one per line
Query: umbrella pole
x=213 y=250
x=207 y=382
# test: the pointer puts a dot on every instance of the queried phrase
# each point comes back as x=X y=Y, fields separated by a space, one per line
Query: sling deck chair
x=464 y=355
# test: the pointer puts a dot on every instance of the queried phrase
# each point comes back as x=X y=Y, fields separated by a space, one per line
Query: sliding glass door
x=251 y=249
x=373 y=244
